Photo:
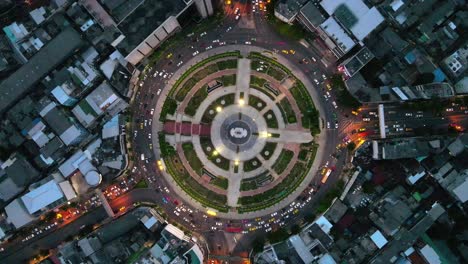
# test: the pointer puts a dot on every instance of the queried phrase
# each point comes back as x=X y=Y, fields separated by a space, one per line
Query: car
x=216 y=41
x=306 y=61
x=149 y=135
x=169 y=55
x=228 y=29
x=176 y=213
x=209 y=47
x=449 y=109
x=155 y=74
x=141 y=84
x=408 y=114
x=222 y=43
x=180 y=63
x=236 y=11
x=328 y=125
x=314 y=59
x=336 y=125
x=292 y=51
x=152 y=111
x=324 y=77
x=334 y=104
x=366 y=119
x=164 y=76
x=237 y=17
x=161 y=73
x=195 y=53
x=362 y=129
x=285 y=51
x=202 y=34
x=248 y=43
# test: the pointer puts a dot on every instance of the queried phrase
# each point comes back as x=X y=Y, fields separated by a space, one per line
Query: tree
x=258 y=244
x=310 y=217
x=351 y=146
x=278 y=236
x=424 y=78
x=368 y=187
x=295 y=229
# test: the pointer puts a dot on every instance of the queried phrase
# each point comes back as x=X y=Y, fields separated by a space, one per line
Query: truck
x=325 y=176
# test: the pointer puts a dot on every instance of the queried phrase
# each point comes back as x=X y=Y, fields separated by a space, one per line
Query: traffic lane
x=25 y=252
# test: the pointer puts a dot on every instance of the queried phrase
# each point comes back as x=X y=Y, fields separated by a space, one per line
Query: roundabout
x=236 y=134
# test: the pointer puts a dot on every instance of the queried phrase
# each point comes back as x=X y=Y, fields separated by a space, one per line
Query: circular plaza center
x=237 y=133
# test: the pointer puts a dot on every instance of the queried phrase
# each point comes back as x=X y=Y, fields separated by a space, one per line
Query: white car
x=228 y=29
x=334 y=104
x=159 y=91
x=366 y=119
x=195 y=53
x=216 y=41
x=409 y=114
x=222 y=43
x=237 y=17
x=161 y=74
x=152 y=111
x=316 y=81
x=336 y=125
x=155 y=74
x=176 y=213
x=209 y=47
x=248 y=43
x=180 y=63
x=203 y=34
x=164 y=76
x=314 y=59
x=149 y=135
x=328 y=125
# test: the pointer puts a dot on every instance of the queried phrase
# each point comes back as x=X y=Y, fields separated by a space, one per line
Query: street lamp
x=219 y=109
x=241 y=102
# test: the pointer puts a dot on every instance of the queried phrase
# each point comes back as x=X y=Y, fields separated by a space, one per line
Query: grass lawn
x=287 y=112
x=192 y=158
x=249 y=165
x=188 y=85
x=228 y=80
x=227 y=64
x=169 y=108
x=257 y=81
x=229 y=100
x=276 y=73
x=223 y=164
x=254 y=102
x=283 y=161
x=221 y=182
x=303 y=154
x=193 y=188
x=196 y=100
x=270 y=147
x=141 y=184
x=272 y=122
x=210 y=69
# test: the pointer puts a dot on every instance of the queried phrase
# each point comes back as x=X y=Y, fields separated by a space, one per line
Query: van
x=142 y=156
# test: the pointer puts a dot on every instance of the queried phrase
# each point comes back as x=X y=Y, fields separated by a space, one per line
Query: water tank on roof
x=93 y=178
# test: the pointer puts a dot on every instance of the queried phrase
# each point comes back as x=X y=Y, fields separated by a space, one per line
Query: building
x=407 y=147
x=69 y=131
x=47 y=195
x=102 y=100
x=310 y=16
x=16 y=174
x=161 y=20
x=352 y=65
x=287 y=10
x=49 y=57
x=456 y=64
x=309 y=246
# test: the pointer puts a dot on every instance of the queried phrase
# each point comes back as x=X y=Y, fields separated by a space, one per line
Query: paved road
x=23 y=253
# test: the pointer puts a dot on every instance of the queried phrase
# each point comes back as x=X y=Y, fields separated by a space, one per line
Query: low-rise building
x=287 y=10
x=16 y=174
x=100 y=101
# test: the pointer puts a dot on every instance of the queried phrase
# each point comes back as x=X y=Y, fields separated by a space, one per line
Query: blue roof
x=439 y=76
x=410 y=57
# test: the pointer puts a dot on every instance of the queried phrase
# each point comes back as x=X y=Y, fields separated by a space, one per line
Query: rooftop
x=354 y=15
x=136 y=19
x=42 y=196
x=52 y=54
x=312 y=14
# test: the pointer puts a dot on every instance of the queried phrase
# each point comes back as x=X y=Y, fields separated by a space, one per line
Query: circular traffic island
x=236 y=134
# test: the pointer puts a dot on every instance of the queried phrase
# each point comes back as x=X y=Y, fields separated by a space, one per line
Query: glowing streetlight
x=219 y=109
x=236 y=162
x=215 y=152
x=241 y=102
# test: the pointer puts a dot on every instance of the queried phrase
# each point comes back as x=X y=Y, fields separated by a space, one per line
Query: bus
x=325 y=176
